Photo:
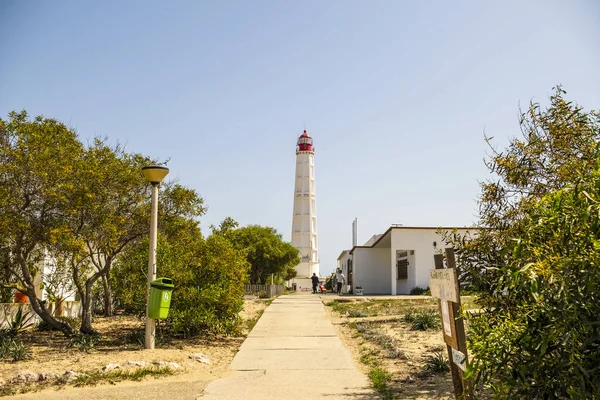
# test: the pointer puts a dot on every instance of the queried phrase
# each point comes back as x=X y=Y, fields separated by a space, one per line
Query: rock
x=136 y=364
x=200 y=358
x=46 y=376
x=69 y=376
x=26 y=376
x=166 y=364
x=110 y=367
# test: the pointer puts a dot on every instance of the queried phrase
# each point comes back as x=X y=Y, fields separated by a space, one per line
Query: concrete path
x=292 y=353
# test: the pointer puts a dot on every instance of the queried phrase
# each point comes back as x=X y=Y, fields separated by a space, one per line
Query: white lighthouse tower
x=304 y=225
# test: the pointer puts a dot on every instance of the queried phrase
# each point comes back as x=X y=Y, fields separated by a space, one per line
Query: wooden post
x=446 y=288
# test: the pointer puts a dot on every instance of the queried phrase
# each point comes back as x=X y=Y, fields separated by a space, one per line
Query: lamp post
x=155 y=174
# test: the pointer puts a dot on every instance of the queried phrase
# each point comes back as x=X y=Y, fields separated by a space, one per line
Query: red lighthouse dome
x=305 y=142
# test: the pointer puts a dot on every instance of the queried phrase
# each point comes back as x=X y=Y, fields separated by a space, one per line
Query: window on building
x=402 y=266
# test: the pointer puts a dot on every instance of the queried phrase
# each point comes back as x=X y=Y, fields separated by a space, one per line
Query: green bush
x=380 y=379
x=263 y=295
x=357 y=313
x=419 y=291
x=84 y=343
x=437 y=363
x=422 y=320
x=536 y=266
x=11 y=348
x=208 y=275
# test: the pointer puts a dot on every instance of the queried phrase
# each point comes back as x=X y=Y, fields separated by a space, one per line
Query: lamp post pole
x=150 y=323
x=155 y=174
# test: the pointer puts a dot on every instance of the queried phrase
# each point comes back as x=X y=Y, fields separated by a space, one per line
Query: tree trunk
x=108 y=312
x=41 y=310
x=37 y=306
x=86 y=309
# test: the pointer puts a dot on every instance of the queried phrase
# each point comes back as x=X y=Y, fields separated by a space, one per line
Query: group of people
x=338 y=280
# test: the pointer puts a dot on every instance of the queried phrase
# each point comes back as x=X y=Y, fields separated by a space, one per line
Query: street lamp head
x=155 y=173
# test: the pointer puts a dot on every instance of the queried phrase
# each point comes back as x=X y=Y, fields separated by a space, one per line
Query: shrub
x=12 y=348
x=84 y=343
x=379 y=380
x=437 y=363
x=422 y=320
x=419 y=291
x=536 y=266
x=357 y=313
x=263 y=295
x=209 y=277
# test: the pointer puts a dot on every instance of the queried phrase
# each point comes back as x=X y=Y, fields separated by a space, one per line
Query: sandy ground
x=406 y=364
x=50 y=353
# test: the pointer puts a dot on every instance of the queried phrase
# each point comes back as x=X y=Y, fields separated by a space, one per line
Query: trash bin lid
x=162 y=283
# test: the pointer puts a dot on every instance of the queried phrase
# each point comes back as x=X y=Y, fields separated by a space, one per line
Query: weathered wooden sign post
x=444 y=286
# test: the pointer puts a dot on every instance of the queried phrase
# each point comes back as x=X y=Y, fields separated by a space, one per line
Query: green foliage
x=11 y=348
x=263 y=295
x=136 y=337
x=537 y=265
x=119 y=375
x=437 y=363
x=419 y=291
x=422 y=319
x=357 y=313
x=19 y=322
x=380 y=379
x=84 y=343
x=265 y=251
x=209 y=276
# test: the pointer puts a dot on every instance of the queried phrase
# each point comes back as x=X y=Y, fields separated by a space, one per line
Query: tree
x=266 y=252
x=535 y=263
x=209 y=277
x=37 y=161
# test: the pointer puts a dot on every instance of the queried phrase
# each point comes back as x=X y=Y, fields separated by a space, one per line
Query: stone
x=136 y=364
x=26 y=376
x=200 y=358
x=166 y=364
x=110 y=367
x=46 y=376
x=69 y=376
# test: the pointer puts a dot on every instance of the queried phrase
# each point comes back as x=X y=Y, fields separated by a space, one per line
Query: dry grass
x=121 y=339
x=397 y=358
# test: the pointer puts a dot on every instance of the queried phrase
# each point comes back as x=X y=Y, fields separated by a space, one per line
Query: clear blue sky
x=396 y=95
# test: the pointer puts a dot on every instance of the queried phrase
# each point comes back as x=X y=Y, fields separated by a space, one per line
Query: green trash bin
x=160 y=298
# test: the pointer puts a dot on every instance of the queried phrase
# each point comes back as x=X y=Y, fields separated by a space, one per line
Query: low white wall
x=372 y=270
x=9 y=310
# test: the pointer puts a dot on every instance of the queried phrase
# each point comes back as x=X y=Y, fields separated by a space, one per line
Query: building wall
x=372 y=270
x=8 y=311
x=421 y=241
x=343 y=263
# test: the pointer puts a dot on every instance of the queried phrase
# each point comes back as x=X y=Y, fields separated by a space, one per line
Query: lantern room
x=304 y=142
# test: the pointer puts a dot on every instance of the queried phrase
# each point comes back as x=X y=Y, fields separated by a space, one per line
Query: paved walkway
x=292 y=353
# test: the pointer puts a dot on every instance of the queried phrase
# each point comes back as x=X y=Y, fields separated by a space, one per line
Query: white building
x=304 y=223
x=394 y=262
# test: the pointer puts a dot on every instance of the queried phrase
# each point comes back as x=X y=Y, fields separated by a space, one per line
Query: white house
x=394 y=262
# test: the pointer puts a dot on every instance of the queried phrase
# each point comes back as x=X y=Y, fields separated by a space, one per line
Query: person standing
x=341 y=279
x=315 y=282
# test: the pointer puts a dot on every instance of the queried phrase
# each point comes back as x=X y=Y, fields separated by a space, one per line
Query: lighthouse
x=304 y=223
